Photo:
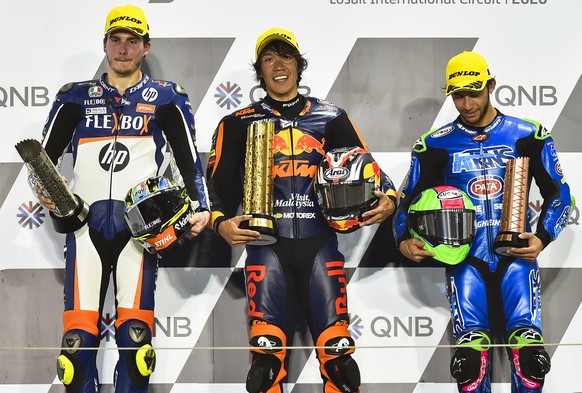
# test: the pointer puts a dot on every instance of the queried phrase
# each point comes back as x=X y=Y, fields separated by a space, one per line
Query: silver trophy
x=71 y=211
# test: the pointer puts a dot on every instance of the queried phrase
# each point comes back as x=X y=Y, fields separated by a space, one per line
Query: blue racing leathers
x=474 y=160
x=116 y=141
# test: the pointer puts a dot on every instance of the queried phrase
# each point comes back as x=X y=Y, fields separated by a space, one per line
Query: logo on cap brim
x=275 y=34
x=476 y=86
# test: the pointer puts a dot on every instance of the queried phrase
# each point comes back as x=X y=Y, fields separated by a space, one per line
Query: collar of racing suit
x=129 y=90
x=288 y=109
x=479 y=129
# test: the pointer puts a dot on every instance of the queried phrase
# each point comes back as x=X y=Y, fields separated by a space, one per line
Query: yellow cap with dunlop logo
x=127 y=17
x=467 y=71
x=275 y=34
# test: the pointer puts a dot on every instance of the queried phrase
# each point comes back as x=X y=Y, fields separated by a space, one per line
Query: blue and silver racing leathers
x=487 y=286
x=116 y=140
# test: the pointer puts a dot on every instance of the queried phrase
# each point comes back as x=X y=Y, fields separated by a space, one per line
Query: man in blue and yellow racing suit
x=121 y=129
x=305 y=261
x=471 y=154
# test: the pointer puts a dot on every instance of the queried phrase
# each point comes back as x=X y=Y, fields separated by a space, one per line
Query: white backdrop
x=532 y=48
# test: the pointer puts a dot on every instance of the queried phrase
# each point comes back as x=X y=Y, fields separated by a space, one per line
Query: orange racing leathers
x=305 y=261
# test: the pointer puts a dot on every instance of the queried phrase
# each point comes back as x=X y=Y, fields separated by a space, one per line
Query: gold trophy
x=71 y=211
x=514 y=209
x=258 y=182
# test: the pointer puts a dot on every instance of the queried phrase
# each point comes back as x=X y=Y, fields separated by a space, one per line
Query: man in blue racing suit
x=305 y=261
x=121 y=129
x=471 y=154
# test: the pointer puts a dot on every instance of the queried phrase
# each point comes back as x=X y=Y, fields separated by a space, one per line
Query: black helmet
x=157 y=212
x=345 y=183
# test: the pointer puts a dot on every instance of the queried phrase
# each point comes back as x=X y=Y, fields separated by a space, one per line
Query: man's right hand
x=45 y=200
x=413 y=249
x=235 y=236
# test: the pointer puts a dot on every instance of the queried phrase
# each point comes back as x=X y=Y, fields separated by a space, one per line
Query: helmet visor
x=453 y=227
x=152 y=211
x=340 y=199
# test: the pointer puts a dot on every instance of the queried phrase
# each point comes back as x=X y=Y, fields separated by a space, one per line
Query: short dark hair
x=282 y=49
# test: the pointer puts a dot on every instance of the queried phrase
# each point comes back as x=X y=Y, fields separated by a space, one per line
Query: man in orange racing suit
x=305 y=260
x=119 y=129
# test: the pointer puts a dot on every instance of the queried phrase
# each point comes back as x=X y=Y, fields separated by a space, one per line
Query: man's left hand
x=385 y=208
x=198 y=222
x=531 y=252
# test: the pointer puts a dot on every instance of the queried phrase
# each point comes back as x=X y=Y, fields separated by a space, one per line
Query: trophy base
x=265 y=225
x=507 y=240
x=73 y=221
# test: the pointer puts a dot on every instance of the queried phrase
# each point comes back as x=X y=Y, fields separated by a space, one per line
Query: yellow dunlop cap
x=467 y=71
x=127 y=17
x=275 y=34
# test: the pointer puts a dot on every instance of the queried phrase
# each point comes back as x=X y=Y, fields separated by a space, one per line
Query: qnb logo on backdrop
x=356 y=327
x=24 y=96
x=228 y=95
x=107 y=327
x=114 y=156
x=168 y=327
x=542 y=95
x=30 y=215
x=257 y=93
x=393 y=326
x=173 y=327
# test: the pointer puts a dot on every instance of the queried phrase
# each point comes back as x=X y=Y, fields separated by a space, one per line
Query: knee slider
x=470 y=360
x=344 y=373
x=263 y=372
x=76 y=367
x=65 y=369
x=530 y=360
x=145 y=359
x=268 y=364
x=137 y=356
x=337 y=365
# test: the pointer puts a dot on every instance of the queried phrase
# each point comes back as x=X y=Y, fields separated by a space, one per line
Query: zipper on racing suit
x=293 y=187
x=488 y=214
x=117 y=112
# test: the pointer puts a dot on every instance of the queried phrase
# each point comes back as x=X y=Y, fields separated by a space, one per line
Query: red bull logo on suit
x=293 y=143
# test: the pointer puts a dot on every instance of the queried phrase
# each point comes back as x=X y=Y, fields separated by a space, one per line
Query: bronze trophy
x=71 y=211
x=514 y=209
x=258 y=182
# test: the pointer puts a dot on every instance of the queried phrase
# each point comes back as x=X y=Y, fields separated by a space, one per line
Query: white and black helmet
x=344 y=184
